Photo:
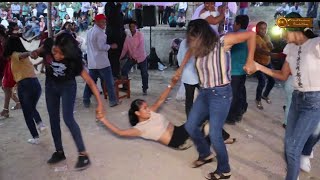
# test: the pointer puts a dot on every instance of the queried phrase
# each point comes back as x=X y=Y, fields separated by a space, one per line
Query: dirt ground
x=257 y=154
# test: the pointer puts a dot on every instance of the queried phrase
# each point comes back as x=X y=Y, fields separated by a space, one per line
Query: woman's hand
x=100 y=112
x=250 y=67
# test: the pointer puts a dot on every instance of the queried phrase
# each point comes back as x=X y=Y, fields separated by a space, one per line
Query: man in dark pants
x=115 y=34
x=239 y=54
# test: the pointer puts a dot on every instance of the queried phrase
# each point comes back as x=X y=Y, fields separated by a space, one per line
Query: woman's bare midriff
x=167 y=135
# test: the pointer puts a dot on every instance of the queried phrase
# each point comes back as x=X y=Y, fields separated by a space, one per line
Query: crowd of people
x=212 y=60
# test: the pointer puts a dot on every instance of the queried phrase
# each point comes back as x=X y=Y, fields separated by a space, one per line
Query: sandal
x=266 y=99
x=230 y=141
x=4 y=113
x=17 y=106
x=199 y=162
x=215 y=175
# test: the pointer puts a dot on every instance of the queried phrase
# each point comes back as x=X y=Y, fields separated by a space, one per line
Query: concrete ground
x=257 y=154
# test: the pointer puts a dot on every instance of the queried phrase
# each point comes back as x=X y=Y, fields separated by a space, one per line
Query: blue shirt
x=189 y=73
x=239 y=54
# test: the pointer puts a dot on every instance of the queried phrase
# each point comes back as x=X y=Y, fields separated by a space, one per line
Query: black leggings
x=180 y=136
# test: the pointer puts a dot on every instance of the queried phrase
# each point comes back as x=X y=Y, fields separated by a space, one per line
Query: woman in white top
x=303 y=62
x=153 y=126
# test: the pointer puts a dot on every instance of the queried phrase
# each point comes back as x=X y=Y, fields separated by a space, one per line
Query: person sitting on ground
x=154 y=60
x=172 y=20
x=181 y=21
x=149 y=124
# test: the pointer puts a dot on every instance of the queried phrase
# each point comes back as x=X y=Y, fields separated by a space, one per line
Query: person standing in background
x=244 y=8
x=15 y=10
x=160 y=14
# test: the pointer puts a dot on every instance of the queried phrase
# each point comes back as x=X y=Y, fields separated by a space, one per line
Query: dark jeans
x=239 y=102
x=66 y=91
x=189 y=96
x=262 y=83
x=29 y=92
x=143 y=66
x=160 y=17
x=105 y=75
x=312 y=9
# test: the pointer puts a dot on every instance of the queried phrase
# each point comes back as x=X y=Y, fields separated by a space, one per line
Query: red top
x=244 y=4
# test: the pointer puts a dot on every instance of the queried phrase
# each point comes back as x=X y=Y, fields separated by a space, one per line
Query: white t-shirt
x=213 y=14
x=306 y=72
x=154 y=127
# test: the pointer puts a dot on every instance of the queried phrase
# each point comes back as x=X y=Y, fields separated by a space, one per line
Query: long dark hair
x=135 y=106
x=208 y=38
x=13 y=44
x=71 y=51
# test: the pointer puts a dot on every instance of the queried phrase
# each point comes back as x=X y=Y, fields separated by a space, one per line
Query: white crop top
x=154 y=127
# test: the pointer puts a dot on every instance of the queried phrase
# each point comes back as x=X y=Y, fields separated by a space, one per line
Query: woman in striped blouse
x=213 y=64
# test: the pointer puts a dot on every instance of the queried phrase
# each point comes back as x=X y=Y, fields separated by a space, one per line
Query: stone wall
x=161 y=38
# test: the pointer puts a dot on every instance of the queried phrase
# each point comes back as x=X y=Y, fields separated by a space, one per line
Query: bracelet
x=169 y=86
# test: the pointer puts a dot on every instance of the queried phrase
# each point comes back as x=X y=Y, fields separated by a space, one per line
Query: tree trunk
x=49 y=20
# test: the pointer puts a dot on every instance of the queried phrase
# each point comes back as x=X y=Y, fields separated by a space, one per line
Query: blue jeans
x=215 y=103
x=29 y=92
x=143 y=66
x=105 y=75
x=303 y=119
x=288 y=87
x=243 y=11
x=66 y=91
x=262 y=83
x=311 y=142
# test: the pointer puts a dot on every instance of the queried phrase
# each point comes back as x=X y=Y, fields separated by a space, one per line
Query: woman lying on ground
x=154 y=126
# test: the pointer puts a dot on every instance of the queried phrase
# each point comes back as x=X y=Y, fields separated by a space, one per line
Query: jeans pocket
x=312 y=100
x=223 y=92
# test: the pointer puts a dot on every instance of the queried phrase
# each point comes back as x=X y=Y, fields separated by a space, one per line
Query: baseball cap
x=41 y=16
x=100 y=17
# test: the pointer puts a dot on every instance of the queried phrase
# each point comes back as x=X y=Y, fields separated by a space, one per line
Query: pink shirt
x=134 y=47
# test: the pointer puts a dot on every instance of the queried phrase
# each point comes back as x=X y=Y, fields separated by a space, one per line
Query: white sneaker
x=34 y=141
x=305 y=164
x=42 y=127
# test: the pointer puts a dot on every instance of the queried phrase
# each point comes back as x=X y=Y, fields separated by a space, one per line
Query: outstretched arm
x=95 y=91
x=174 y=81
x=131 y=132
x=282 y=75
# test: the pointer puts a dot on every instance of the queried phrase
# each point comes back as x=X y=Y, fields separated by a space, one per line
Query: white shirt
x=293 y=9
x=213 y=14
x=154 y=127
x=309 y=64
x=183 y=5
x=97 y=48
x=85 y=6
x=101 y=10
x=189 y=73
x=15 y=8
x=34 y=12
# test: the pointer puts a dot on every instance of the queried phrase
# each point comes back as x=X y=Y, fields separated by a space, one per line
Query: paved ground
x=258 y=154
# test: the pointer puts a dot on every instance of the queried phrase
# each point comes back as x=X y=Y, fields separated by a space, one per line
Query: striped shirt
x=215 y=68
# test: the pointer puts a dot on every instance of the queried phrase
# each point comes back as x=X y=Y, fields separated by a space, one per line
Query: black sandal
x=215 y=175
x=230 y=141
x=199 y=162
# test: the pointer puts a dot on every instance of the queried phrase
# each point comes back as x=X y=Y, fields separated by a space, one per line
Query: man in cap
x=98 y=61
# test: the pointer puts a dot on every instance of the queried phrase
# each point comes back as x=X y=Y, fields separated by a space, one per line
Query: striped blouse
x=215 y=68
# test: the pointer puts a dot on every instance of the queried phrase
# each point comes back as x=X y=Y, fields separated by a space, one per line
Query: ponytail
x=135 y=106
x=309 y=33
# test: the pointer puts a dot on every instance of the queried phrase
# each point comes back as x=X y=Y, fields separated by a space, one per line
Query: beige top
x=21 y=68
x=154 y=127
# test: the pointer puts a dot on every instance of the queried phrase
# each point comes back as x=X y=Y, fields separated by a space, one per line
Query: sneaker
x=305 y=164
x=56 y=157
x=34 y=141
x=267 y=99
x=259 y=105
x=42 y=128
x=83 y=162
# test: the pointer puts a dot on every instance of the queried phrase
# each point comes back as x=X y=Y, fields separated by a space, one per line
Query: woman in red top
x=7 y=81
